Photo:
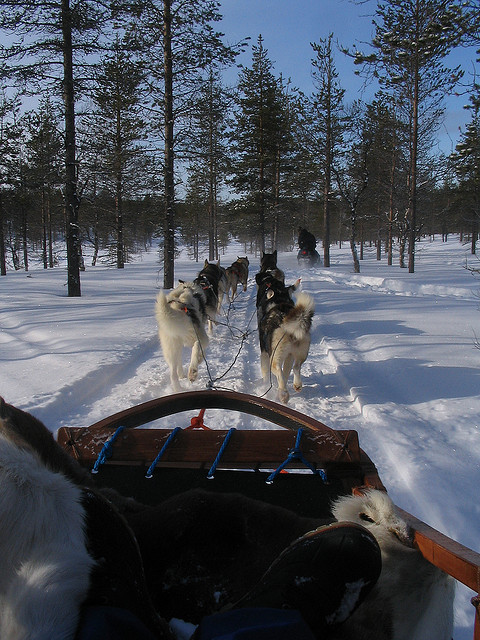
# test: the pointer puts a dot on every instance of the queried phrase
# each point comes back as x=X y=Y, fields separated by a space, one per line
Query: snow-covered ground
x=393 y=356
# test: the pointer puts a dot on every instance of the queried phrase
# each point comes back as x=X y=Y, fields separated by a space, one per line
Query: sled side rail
x=450 y=556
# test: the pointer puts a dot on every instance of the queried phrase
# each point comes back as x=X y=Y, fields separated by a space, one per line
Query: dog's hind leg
x=283 y=394
x=264 y=364
x=297 y=380
x=198 y=352
x=287 y=366
x=277 y=370
x=172 y=352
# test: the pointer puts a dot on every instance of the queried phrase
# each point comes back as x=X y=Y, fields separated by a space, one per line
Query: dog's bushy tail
x=162 y=308
x=298 y=321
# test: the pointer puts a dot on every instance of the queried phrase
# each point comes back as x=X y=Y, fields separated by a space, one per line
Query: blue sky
x=289 y=26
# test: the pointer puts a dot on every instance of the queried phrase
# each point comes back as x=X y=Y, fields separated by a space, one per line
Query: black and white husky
x=268 y=265
x=412 y=600
x=181 y=318
x=284 y=330
x=214 y=282
x=45 y=565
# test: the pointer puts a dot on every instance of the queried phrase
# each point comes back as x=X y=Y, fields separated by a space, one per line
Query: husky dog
x=43 y=549
x=284 y=331
x=237 y=273
x=181 y=318
x=268 y=264
x=213 y=280
x=412 y=600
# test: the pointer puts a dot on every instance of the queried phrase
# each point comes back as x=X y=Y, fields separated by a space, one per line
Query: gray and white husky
x=284 y=330
x=181 y=318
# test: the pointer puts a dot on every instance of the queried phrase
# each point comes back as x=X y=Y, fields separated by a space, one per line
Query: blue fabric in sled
x=255 y=624
x=111 y=623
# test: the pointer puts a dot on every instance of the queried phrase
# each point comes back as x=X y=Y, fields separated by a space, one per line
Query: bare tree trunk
x=44 y=230
x=119 y=198
x=71 y=197
x=49 y=229
x=25 y=238
x=326 y=191
x=412 y=196
x=3 y=259
x=391 y=206
x=169 y=230
x=212 y=248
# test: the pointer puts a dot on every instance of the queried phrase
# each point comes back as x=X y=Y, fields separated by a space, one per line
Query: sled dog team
x=284 y=323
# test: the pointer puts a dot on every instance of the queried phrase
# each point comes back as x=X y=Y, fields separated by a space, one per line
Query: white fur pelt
x=412 y=600
x=44 y=563
x=181 y=318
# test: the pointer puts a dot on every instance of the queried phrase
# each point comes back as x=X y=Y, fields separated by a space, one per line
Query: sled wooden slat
x=191 y=447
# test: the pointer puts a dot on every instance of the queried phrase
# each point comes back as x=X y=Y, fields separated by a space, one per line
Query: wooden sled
x=178 y=459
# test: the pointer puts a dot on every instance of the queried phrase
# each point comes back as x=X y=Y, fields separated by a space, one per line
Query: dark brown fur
x=203 y=550
x=237 y=272
x=268 y=263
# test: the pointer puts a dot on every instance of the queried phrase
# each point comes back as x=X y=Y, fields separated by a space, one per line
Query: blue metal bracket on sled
x=296 y=454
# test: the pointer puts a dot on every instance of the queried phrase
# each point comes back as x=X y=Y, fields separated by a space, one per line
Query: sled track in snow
x=96 y=385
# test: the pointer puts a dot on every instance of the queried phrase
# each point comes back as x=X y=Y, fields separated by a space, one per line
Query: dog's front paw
x=283 y=396
x=192 y=374
x=297 y=386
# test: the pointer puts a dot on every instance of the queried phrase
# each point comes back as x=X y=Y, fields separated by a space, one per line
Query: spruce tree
x=412 y=39
x=46 y=41
x=119 y=128
x=327 y=125
x=256 y=134
x=467 y=165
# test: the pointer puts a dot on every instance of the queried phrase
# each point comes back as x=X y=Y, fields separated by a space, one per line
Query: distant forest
x=118 y=133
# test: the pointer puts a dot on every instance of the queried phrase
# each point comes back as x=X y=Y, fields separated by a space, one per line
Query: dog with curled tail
x=181 y=318
x=413 y=599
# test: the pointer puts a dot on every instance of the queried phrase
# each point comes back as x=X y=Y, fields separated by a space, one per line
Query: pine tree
x=256 y=136
x=412 y=39
x=327 y=102
x=44 y=157
x=48 y=40
x=9 y=134
x=386 y=168
x=119 y=129
x=208 y=139
x=351 y=170
x=179 y=43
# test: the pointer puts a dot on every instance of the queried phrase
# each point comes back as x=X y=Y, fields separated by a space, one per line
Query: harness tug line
x=244 y=335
